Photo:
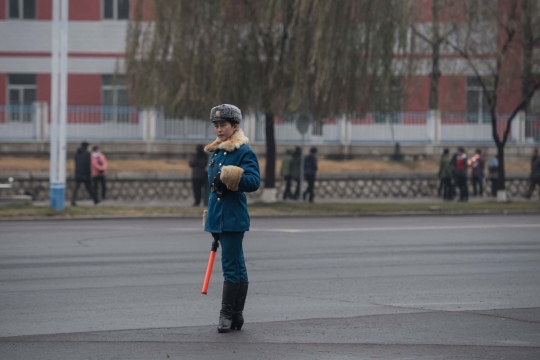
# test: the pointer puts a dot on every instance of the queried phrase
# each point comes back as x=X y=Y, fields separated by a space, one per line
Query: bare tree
x=435 y=37
x=531 y=39
x=273 y=56
x=490 y=40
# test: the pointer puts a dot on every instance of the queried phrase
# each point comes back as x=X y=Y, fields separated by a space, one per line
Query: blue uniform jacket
x=239 y=170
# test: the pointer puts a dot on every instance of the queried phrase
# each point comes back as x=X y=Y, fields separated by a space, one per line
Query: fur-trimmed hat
x=226 y=112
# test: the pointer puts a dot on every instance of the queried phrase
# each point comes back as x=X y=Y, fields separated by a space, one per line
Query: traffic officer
x=233 y=169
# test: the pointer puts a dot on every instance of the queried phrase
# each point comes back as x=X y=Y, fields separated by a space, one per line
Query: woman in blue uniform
x=233 y=169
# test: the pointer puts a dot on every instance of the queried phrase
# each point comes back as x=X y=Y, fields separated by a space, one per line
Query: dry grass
x=181 y=166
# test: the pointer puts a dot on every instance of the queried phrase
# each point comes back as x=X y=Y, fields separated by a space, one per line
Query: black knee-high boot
x=228 y=301
x=238 y=317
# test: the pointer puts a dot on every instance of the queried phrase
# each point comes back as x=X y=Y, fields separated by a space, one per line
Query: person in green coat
x=446 y=175
x=286 y=173
x=233 y=170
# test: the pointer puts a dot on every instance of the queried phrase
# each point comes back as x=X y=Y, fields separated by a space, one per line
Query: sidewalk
x=188 y=204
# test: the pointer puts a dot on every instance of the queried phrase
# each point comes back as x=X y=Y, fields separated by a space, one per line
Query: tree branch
x=422 y=36
x=521 y=106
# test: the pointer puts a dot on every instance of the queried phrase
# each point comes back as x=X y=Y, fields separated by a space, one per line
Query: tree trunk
x=435 y=56
x=434 y=80
x=528 y=48
x=501 y=181
x=270 y=171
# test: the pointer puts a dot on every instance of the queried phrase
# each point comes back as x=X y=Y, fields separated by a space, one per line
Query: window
x=22 y=9
x=534 y=104
x=21 y=93
x=387 y=101
x=115 y=98
x=478 y=110
x=116 y=9
x=481 y=10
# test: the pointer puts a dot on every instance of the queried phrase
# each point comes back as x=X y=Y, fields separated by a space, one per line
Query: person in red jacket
x=99 y=169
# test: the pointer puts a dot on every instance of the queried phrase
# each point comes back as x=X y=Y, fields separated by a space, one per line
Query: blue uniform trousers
x=232 y=257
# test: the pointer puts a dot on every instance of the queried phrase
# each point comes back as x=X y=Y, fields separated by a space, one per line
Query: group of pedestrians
x=453 y=174
x=290 y=170
x=90 y=171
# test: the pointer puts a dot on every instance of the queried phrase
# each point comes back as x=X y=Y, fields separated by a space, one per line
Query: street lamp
x=59 y=54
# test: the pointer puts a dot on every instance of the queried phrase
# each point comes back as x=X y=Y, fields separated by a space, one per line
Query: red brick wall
x=417 y=94
x=452 y=93
x=44 y=87
x=3 y=95
x=3 y=9
x=44 y=9
x=84 y=89
x=85 y=10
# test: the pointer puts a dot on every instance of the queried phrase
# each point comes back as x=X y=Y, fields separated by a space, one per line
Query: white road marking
x=406 y=228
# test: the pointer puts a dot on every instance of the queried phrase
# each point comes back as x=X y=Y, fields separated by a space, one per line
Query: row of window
x=22 y=90
x=110 y=9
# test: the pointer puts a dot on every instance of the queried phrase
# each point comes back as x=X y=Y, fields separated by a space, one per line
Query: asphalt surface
x=320 y=288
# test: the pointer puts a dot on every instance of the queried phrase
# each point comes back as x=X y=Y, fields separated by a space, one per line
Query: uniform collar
x=234 y=142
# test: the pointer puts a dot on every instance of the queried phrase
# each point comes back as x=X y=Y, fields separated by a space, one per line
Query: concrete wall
x=170 y=187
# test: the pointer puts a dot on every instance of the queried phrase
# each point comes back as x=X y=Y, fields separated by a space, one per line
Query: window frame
x=110 y=112
x=23 y=116
x=481 y=116
x=388 y=108
x=115 y=11
x=21 y=11
x=478 y=10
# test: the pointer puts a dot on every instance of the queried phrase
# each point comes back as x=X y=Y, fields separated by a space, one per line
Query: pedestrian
x=454 y=183
x=233 y=170
x=198 y=174
x=286 y=173
x=296 y=163
x=83 y=173
x=535 y=174
x=310 y=171
x=99 y=169
x=446 y=175
x=439 y=175
x=477 y=165
x=461 y=174
x=493 y=171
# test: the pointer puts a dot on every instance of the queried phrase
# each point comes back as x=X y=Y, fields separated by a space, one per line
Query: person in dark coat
x=233 y=170
x=445 y=174
x=454 y=185
x=198 y=174
x=461 y=174
x=310 y=171
x=493 y=174
x=286 y=173
x=477 y=165
x=296 y=163
x=441 y=182
x=535 y=173
x=83 y=173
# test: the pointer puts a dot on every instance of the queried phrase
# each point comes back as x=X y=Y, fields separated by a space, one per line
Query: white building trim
x=40 y=65
x=84 y=36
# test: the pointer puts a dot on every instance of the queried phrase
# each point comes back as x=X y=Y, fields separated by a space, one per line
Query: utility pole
x=57 y=174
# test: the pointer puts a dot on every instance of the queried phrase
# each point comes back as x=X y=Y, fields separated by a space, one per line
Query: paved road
x=321 y=288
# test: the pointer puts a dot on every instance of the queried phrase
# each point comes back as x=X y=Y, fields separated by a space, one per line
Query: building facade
x=97 y=42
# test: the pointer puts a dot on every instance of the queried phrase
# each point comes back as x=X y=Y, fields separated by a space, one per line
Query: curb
x=351 y=215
